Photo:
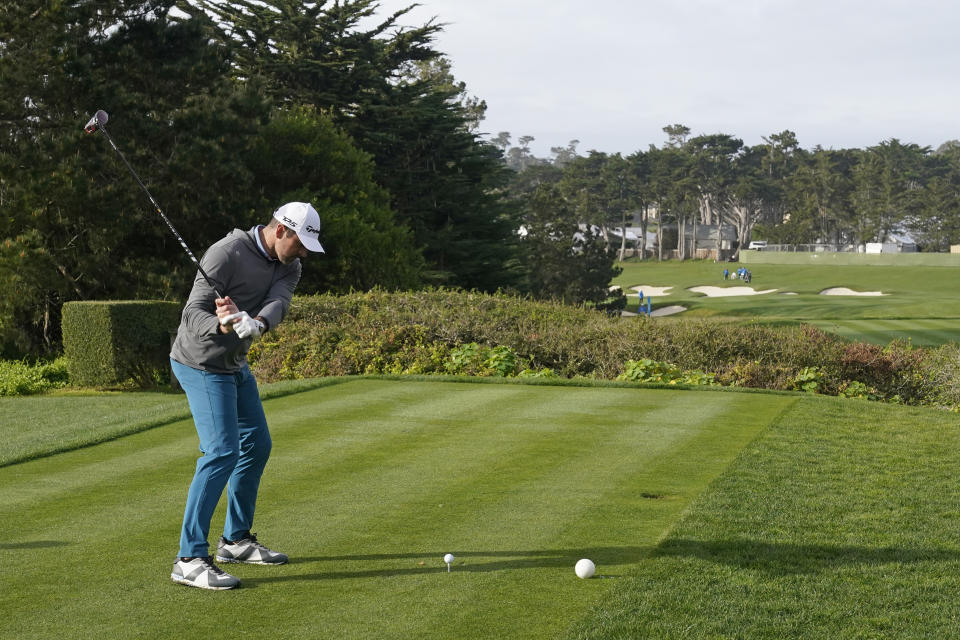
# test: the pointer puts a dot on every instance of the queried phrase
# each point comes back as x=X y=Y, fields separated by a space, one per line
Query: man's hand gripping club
x=232 y=319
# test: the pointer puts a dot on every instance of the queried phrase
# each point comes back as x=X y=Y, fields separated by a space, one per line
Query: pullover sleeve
x=200 y=312
x=277 y=301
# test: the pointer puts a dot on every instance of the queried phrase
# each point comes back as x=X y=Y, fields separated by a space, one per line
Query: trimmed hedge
x=114 y=343
x=425 y=332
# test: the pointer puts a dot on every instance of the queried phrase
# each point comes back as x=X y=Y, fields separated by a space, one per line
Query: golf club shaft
x=157 y=208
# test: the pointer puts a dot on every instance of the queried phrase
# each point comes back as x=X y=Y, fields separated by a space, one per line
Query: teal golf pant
x=235 y=442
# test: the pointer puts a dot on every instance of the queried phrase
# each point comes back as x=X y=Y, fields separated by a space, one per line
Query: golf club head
x=98 y=120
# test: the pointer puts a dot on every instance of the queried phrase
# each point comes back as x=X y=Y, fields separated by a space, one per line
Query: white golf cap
x=304 y=220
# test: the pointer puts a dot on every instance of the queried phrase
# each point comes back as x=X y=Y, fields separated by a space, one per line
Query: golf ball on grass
x=448 y=558
x=585 y=568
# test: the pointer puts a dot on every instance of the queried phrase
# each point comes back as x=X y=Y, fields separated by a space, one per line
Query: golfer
x=257 y=271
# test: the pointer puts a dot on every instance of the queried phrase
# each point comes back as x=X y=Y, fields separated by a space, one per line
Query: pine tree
x=388 y=89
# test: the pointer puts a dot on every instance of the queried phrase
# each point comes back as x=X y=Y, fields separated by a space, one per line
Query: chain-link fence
x=811 y=248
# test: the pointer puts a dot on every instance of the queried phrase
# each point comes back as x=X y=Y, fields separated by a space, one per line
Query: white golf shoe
x=248 y=551
x=202 y=573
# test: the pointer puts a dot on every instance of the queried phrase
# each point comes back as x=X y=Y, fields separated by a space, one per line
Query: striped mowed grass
x=370 y=483
x=716 y=514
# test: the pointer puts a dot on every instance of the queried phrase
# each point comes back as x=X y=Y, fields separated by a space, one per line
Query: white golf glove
x=244 y=325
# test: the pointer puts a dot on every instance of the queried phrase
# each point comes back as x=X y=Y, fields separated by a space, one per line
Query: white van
x=758 y=244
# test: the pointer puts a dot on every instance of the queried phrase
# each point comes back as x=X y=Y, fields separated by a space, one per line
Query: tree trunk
x=623 y=234
x=660 y=235
x=47 y=339
x=694 y=239
x=719 y=237
x=681 y=239
x=744 y=224
x=706 y=208
x=643 y=232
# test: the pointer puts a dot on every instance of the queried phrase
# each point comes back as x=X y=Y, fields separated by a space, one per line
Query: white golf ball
x=585 y=568
x=448 y=558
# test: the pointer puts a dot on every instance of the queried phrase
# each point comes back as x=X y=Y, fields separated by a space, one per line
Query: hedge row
x=109 y=343
x=418 y=332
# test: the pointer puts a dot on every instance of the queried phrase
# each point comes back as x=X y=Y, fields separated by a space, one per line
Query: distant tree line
x=777 y=190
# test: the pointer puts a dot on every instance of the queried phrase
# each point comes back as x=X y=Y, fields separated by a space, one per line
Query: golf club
x=97 y=123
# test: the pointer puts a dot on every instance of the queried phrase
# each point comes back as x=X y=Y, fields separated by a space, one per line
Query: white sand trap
x=662 y=311
x=720 y=292
x=668 y=311
x=843 y=291
x=652 y=292
x=788 y=293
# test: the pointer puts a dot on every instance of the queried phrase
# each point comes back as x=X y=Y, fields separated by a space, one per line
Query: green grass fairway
x=35 y=426
x=912 y=293
x=370 y=483
x=923 y=332
x=32 y=426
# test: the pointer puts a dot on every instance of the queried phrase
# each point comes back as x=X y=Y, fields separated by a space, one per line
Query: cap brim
x=311 y=244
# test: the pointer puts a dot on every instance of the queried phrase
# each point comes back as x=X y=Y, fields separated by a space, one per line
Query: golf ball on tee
x=585 y=568
x=448 y=558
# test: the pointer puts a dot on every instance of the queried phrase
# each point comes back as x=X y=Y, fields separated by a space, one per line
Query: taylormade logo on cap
x=302 y=218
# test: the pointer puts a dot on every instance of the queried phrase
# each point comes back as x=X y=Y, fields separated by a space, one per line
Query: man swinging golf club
x=256 y=271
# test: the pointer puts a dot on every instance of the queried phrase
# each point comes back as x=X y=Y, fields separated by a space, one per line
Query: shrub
x=17 y=378
x=572 y=341
x=892 y=371
x=940 y=376
x=469 y=333
x=856 y=389
x=756 y=374
x=809 y=379
x=476 y=360
x=464 y=360
x=648 y=370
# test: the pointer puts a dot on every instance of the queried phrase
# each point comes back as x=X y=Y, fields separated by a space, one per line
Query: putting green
x=370 y=483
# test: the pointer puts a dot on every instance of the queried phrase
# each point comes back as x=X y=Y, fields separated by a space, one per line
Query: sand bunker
x=719 y=292
x=662 y=311
x=843 y=291
x=652 y=292
x=668 y=311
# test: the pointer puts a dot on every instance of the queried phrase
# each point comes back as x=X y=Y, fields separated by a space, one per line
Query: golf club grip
x=156 y=207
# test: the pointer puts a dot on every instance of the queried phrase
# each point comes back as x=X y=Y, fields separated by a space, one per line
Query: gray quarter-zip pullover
x=257 y=284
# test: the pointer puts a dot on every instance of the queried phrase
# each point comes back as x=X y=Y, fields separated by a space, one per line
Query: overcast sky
x=613 y=73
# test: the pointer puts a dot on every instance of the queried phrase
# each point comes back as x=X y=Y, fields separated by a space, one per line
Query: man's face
x=289 y=247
